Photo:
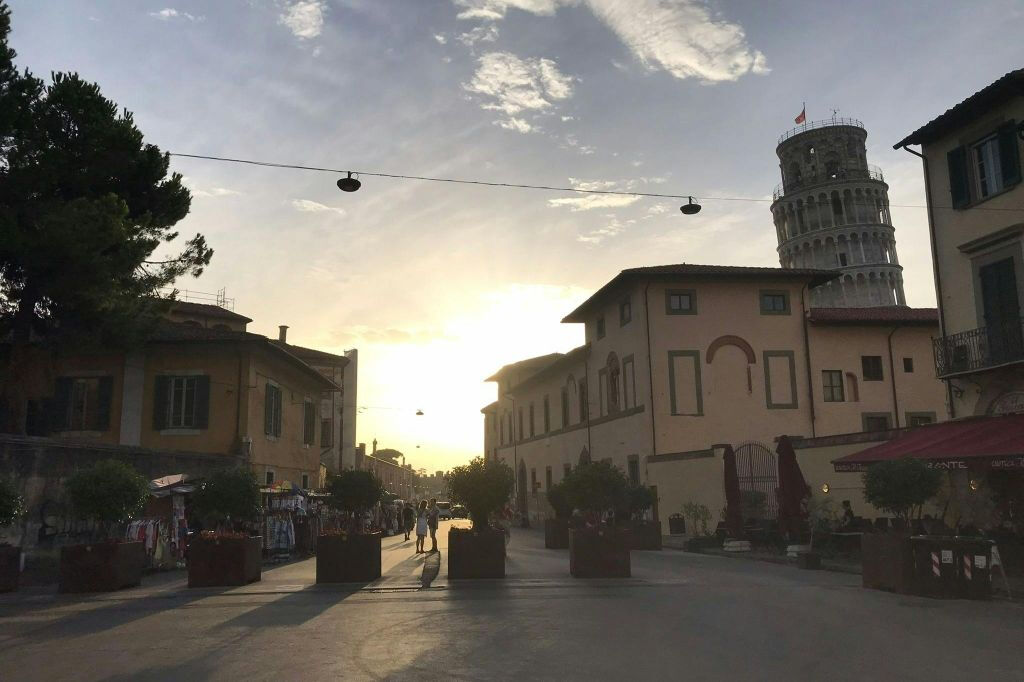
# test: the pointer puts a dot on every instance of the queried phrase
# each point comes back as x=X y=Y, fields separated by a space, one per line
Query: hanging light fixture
x=349 y=184
x=419 y=413
x=690 y=207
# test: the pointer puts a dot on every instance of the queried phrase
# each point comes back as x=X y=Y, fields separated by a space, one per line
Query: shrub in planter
x=12 y=506
x=482 y=487
x=596 y=551
x=109 y=494
x=556 y=530
x=349 y=555
x=225 y=557
x=645 y=534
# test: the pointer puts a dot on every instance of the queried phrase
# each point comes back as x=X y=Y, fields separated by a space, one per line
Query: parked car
x=459 y=512
x=444 y=510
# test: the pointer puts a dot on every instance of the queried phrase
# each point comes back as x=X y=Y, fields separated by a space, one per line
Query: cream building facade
x=681 y=359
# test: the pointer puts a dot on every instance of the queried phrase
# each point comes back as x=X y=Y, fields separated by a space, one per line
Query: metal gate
x=758 y=470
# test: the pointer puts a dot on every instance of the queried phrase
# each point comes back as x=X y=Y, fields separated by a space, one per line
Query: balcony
x=980 y=349
x=872 y=172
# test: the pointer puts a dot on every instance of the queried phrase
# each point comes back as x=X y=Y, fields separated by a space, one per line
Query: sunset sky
x=438 y=285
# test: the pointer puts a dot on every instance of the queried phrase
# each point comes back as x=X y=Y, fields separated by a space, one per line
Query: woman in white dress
x=421 y=526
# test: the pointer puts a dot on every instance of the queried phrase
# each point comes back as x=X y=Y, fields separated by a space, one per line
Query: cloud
x=168 y=13
x=572 y=142
x=389 y=335
x=589 y=202
x=206 y=193
x=613 y=228
x=304 y=18
x=516 y=86
x=487 y=33
x=440 y=38
x=307 y=206
x=683 y=37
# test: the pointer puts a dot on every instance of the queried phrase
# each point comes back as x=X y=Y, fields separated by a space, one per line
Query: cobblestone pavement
x=681 y=616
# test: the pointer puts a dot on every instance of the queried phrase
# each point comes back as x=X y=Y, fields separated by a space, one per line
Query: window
x=547 y=478
x=600 y=327
x=908 y=365
x=628 y=383
x=602 y=392
x=680 y=302
x=774 y=302
x=876 y=421
x=83 y=403
x=533 y=479
x=326 y=433
x=633 y=467
x=625 y=312
x=272 y=410
x=566 y=469
x=308 y=423
x=501 y=439
x=565 y=406
x=842 y=259
x=532 y=430
x=584 y=401
x=832 y=385
x=920 y=418
x=181 y=402
x=871 y=367
x=521 y=423
x=269 y=480
x=988 y=175
x=305 y=481
x=547 y=414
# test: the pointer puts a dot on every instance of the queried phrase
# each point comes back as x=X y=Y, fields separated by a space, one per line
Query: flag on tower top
x=802 y=117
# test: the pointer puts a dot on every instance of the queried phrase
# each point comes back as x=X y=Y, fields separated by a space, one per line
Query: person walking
x=421 y=526
x=432 y=523
x=408 y=518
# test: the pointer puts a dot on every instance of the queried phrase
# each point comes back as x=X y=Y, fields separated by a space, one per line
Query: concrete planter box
x=10 y=567
x=101 y=567
x=645 y=535
x=224 y=562
x=348 y=558
x=887 y=562
x=476 y=553
x=599 y=553
x=556 y=533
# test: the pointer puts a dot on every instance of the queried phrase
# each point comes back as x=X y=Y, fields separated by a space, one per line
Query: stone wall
x=39 y=467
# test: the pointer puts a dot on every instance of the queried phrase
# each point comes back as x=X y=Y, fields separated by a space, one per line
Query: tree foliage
x=84 y=203
x=229 y=495
x=354 y=491
x=12 y=505
x=110 y=492
x=639 y=498
x=897 y=486
x=597 y=487
x=559 y=501
x=482 y=487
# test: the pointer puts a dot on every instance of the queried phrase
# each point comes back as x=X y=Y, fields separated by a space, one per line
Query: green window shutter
x=160 y=389
x=958 y=188
x=278 y=402
x=268 y=410
x=202 y=402
x=61 y=404
x=105 y=396
x=1009 y=156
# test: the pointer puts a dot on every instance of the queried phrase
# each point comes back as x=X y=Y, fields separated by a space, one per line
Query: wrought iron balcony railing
x=872 y=172
x=979 y=349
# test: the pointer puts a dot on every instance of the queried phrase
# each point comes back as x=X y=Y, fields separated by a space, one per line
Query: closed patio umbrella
x=733 y=513
x=793 y=489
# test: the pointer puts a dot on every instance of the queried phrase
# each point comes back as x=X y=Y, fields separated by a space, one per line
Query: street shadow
x=295 y=608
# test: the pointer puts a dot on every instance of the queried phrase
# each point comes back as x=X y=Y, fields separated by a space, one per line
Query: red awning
x=993 y=442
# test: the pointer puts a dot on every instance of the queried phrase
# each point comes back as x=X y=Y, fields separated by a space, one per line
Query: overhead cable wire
x=515 y=185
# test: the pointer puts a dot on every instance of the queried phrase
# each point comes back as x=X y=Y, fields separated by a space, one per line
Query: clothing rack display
x=155 y=534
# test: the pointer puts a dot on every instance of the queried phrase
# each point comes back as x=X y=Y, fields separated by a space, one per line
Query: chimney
x=282 y=333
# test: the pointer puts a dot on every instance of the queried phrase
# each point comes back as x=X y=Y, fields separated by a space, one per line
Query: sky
x=438 y=285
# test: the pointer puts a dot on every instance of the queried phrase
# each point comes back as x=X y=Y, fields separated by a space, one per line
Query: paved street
x=680 y=616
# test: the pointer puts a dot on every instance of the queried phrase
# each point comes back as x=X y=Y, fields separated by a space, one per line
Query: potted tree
x=597 y=550
x=822 y=518
x=898 y=487
x=108 y=494
x=556 y=530
x=482 y=488
x=12 y=506
x=226 y=556
x=347 y=554
x=644 y=533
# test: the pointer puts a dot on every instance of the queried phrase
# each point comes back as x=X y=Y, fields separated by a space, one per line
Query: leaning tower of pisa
x=831 y=211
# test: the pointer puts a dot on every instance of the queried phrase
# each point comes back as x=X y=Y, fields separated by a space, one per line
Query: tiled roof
x=977 y=104
x=207 y=310
x=575 y=355
x=489 y=408
x=878 y=315
x=529 y=364
x=696 y=271
x=311 y=353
